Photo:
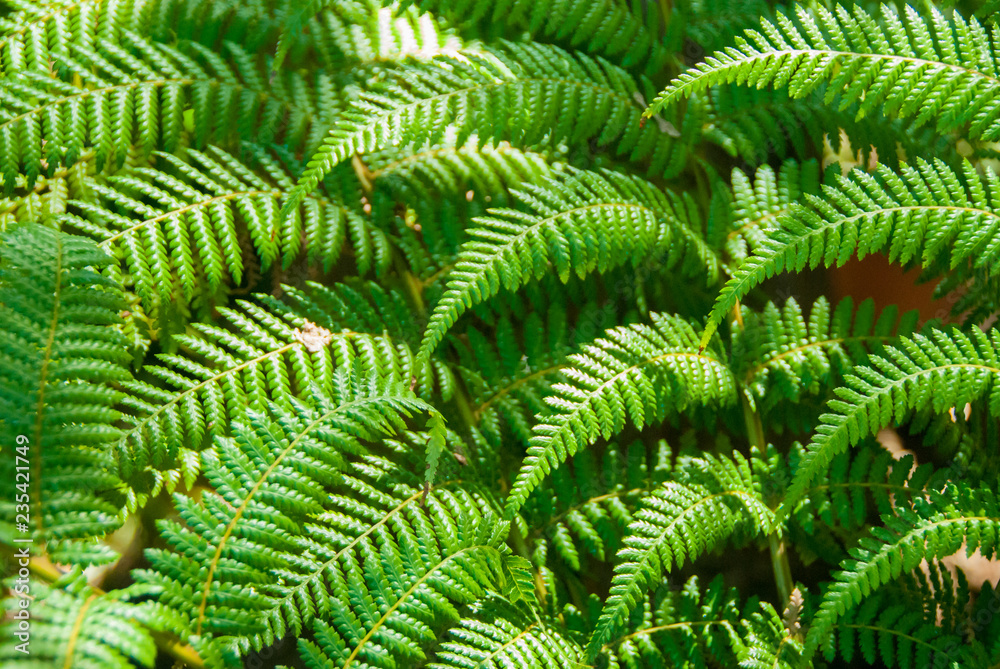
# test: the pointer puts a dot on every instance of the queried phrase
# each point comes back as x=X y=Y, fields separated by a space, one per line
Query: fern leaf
x=272 y=549
x=523 y=93
x=692 y=625
x=568 y=213
x=779 y=355
x=767 y=644
x=497 y=635
x=941 y=370
x=922 y=214
x=680 y=521
x=637 y=373
x=60 y=359
x=72 y=625
x=929 y=530
x=934 y=69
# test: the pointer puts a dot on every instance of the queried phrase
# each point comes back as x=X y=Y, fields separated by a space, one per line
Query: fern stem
x=755 y=433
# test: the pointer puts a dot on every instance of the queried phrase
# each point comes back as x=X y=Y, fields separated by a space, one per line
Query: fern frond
x=937 y=69
x=568 y=214
x=937 y=371
x=60 y=357
x=71 y=625
x=39 y=35
x=604 y=28
x=928 y=530
x=497 y=635
x=778 y=355
x=253 y=358
x=271 y=550
x=691 y=626
x=926 y=213
x=588 y=506
x=523 y=93
x=856 y=482
x=178 y=227
x=767 y=644
x=684 y=518
x=884 y=629
x=638 y=373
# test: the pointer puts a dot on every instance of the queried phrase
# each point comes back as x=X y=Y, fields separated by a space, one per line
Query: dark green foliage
x=402 y=335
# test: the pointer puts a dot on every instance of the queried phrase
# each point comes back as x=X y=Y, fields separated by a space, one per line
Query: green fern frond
x=588 y=506
x=884 y=629
x=714 y=498
x=72 y=625
x=767 y=644
x=689 y=627
x=944 y=369
x=936 y=69
x=857 y=482
x=758 y=204
x=524 y=93
x=637 y=373
x=497 y=635
x=271 y=549
x=630 y=217
x=928 y=530
x=604 y=28
x=179 y=227
x=925 y=214
x=39 y=35
x=61 y=356
x=778 y=355
x=253 y=358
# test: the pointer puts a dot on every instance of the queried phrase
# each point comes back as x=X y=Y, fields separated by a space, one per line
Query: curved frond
x=924 y=213
x=578 y=222
x=969 y=517
x=523 y=93
x=936 y=69
x=684 y=518
x=944 y=369
x=637 y=373
x=61 y=356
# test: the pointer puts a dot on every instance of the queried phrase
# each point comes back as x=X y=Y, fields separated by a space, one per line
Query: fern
x=473 y=92
x=633 y=218
x=636 y=373
x=60 y=356
x=898 y=382
x=899 y=64
x=671 y=527
x=924 y=213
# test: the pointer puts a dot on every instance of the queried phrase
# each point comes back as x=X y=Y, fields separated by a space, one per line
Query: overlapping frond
x=604 y=28
x=936 y=69
x=184 y=224
x=689 y=627
x=767 y=644
x=937 y=371
x=497 y=635
x=928 y=530
x=525 y=93
x=706 y=501
x=885 y=629
x=72 y=625
x=779 y=355
x=60 y=359
x=856 y=483
x=254 y=357
x=271 y=549
x=637 y=374
x=577 y=222
x=587 y=506
x=925 y=213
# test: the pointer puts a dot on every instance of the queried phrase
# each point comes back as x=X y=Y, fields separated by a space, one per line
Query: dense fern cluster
x=383 y=334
